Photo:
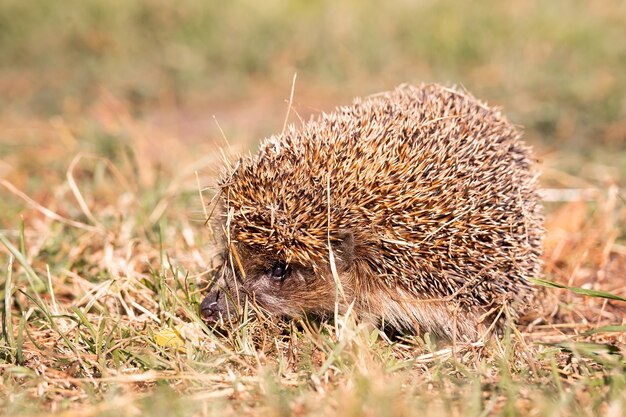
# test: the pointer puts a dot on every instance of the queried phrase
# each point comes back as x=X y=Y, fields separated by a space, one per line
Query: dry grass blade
x=47 y=212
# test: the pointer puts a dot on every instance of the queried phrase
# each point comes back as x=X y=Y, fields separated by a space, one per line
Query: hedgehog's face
x=279 y=287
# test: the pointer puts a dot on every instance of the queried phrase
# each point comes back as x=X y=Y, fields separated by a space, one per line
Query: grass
x=107 y=143
x=108 y=251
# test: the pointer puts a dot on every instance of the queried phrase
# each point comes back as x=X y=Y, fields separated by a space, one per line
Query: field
x=115 y=121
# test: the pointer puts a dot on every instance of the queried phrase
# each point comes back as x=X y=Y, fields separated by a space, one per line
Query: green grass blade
x=578 y=290
x=19 y=351
x=7 y=322
x=20 y=258
x=605 y=329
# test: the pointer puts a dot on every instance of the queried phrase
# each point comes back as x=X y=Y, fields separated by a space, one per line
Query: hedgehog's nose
x=210 y=309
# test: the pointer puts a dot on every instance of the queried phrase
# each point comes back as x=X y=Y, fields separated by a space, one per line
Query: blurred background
x=172 y=80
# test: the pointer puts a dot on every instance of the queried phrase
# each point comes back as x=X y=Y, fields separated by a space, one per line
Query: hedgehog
x=415 y=208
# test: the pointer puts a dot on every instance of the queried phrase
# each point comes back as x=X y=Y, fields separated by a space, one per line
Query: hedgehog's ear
x=343 y=249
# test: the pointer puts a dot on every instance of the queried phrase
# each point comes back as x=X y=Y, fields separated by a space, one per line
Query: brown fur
x=426 y=196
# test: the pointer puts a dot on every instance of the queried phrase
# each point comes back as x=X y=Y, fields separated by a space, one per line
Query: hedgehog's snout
x=216 y=307
x=209 y=308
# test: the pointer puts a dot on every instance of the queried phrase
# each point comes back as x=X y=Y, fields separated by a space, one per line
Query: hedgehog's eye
x=279 y=271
